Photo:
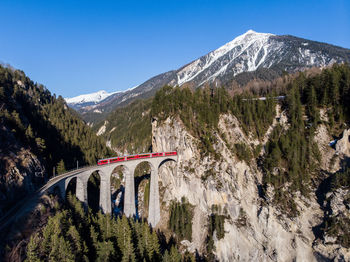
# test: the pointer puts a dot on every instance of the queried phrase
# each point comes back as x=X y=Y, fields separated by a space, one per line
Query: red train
x=111 y=160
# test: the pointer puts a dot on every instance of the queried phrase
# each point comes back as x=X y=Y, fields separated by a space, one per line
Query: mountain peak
x=250 y=31
x=93 y=97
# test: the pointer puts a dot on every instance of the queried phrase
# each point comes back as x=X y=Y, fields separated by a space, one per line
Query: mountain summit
x=245 y=53
x=263 y=54
x=253 y=51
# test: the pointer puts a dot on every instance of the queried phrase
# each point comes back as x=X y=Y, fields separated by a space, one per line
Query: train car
x=116 y=159
x=111 y=160
x=131 y=157
x=171 y=153
x=157 y=154
x=144 y=156
x=103 y=162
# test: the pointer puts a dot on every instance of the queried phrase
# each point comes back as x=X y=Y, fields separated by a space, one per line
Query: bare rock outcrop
x=343 y=144
x=20 y=173
x=266 y=234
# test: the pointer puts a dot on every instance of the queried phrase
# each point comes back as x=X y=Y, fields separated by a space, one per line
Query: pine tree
x=61 y=167
x=32 y=249
x=105 y=251
x=29 y=132
x=174 y=254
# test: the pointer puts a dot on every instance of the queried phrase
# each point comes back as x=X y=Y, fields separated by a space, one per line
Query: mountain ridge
x=250 y=52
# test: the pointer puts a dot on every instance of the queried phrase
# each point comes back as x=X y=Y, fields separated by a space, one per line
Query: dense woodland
x=199 y=110
x=180 y=221
x=35 y=118
x=292 y=155
x=71 y=234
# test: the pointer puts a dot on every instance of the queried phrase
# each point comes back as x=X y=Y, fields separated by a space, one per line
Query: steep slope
x=127 y=130
x=251 y=55
x=39 y=135
x=276 y=204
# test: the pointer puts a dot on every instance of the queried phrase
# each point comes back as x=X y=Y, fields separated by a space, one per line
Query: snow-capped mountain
x=245 y=53
x=259 y=55
x=88 y=99
x=253 y=51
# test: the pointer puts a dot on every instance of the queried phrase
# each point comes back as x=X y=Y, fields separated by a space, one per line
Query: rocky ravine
x=266 y=234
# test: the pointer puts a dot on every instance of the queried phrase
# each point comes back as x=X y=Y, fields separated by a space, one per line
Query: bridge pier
x=105 y=193
x=81 y=189
x=154 y=208
x=129 y=195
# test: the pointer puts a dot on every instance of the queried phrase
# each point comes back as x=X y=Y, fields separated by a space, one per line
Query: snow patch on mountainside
x=253 y=45
x=93 y=97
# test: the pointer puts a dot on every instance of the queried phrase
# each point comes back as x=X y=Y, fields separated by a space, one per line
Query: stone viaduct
x=105 y=171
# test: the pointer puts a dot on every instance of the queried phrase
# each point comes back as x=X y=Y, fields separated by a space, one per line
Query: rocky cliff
x=255 y=229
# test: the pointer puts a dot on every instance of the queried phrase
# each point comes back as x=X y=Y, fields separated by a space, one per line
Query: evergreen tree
x=105 y=251
x=32 y=249
x=61 y=167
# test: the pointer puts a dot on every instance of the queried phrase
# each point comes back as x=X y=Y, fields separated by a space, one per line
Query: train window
x=170 y=153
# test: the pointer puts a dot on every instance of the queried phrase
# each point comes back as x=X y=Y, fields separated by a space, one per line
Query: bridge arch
x=117 y=187
x=142 y=176
x=165 y=161
x=58 y=190
x=71 y=185
x=93 y=190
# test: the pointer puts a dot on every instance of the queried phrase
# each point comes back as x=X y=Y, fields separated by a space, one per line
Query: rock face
x=266 y=234
x=337 y=208
x=21 y=172
x=343 y=145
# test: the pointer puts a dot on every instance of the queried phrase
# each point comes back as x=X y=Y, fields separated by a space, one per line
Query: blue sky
x=77 y=47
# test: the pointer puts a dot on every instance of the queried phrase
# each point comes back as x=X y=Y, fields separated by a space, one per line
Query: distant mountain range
x=88 y=100
x=262 y=54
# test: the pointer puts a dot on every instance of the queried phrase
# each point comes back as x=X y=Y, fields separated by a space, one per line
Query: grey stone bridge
x=105 y=171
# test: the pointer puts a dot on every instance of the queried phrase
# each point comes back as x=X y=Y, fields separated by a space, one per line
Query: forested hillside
x=279 y=164
x=39 y=134
x=71 y=234
x=293 y=158
x=128 y=129
x=291 y=155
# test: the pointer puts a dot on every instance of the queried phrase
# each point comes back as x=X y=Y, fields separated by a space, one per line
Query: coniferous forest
x=71 y=234
x=290 y=160
x=54 y=132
